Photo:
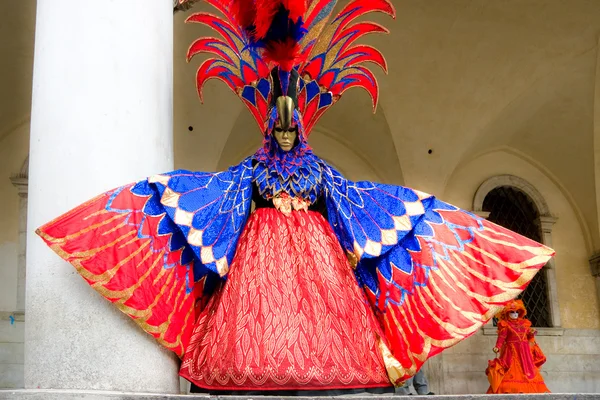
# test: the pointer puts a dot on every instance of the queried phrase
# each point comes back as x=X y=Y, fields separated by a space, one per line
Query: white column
x=101 y=117
x=20 y=181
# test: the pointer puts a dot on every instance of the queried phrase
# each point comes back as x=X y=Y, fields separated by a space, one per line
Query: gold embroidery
x=195 y=237
x=285 y=203
x=402 y=223
x=352 y=259
x=300 y=204
x=164 y=179
x=281 y=318
x=170 y=198
x=421 y=195
x=394 y=369
x=414 y=208
x=183 y=217
x=373 y=248
x=358 y=250
x=206 y=255
x=389 y=237
x=222 y=266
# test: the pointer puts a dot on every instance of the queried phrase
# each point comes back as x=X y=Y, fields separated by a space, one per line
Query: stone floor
x=97 y=395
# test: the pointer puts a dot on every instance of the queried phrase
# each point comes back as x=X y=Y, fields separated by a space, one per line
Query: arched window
x=515 y=204
x=513 y=209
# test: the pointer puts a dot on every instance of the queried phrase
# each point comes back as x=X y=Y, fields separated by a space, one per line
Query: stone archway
x=515 y=182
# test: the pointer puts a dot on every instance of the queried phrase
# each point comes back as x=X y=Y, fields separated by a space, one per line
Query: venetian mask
x=513 y=315
x=286 y=138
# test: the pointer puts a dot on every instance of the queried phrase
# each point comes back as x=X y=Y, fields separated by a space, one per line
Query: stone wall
x=11 y=351
x=14 y=147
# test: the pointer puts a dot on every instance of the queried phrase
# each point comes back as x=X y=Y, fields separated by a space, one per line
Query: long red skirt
x=290 y=315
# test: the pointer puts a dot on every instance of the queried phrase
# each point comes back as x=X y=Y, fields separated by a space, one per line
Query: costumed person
x=285 y=298
x=517 y=367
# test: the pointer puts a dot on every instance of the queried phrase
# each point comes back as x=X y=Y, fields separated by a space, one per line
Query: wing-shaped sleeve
x=433 y=273
x=127 y=245
x=210 y=209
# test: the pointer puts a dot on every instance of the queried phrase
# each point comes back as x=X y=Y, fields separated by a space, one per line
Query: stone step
x=27 y=394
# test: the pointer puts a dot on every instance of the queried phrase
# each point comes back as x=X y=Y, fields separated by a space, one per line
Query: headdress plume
x=300 y=41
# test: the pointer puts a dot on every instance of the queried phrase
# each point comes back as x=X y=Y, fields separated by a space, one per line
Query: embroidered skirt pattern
x=290 y=314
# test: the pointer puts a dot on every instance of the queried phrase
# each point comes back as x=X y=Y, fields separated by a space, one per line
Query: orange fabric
x=495 y=373
x=522 y=373
x=290 y=315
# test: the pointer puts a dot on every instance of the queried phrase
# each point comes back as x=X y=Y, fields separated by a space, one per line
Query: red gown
x=290 y=314
x=515 y=341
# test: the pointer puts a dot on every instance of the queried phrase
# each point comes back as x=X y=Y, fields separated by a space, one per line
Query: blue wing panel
x=210 y=209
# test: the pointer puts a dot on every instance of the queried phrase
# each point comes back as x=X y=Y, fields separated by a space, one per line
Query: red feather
x=285 y=54
x=297 y=8
x=244 y=12
x=265 y=12
x=259 y=14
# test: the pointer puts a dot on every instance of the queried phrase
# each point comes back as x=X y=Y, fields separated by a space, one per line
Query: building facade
x=485 y=106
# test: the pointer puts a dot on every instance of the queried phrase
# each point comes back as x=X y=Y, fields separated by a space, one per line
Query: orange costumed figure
x=519 y=355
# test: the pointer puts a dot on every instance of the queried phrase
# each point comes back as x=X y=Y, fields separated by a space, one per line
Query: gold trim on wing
x=222 y=266
x=163 y=179
x=539 y=250
x=372 y=248
x=394 y=369
x=389 y=237
x=402 y=223
x=471 y=316
x=170 y=198
x=526 y=274
x=184 y=218
x=195 y=237
x=40 y=231
x=127 y=293
x=414 y=208
x=508 y=295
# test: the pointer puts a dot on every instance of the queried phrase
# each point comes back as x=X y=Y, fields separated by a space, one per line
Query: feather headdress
x=297 y=39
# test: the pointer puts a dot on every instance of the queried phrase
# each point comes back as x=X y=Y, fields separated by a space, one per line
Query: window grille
x=513 y=209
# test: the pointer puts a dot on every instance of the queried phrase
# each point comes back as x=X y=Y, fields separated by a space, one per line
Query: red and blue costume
x=329 y=283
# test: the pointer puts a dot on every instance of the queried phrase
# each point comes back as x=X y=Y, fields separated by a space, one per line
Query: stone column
x=20 y=181
x=546 y=223
x=101 y=117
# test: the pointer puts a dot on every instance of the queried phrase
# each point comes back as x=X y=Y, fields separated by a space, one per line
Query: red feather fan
x=256 y=16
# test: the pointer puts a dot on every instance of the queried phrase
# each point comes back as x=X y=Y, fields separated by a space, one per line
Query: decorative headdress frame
x=321 y=50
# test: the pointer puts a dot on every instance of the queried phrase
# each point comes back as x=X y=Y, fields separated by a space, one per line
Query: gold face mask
x=285 y=111
x=286 y=138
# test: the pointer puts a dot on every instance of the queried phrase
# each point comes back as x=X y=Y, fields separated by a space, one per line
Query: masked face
x=513 y=315
x=286 y=139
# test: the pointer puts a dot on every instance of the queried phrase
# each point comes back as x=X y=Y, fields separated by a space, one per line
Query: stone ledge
x=40 y=394
x=12 y=316
x=492 y=331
